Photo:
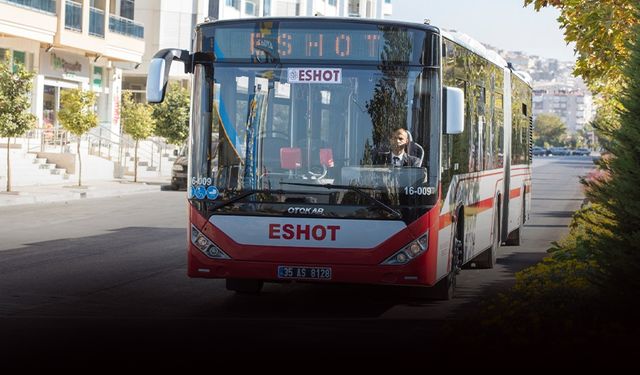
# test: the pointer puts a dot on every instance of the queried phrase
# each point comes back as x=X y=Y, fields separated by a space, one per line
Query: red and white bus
x=292 y=122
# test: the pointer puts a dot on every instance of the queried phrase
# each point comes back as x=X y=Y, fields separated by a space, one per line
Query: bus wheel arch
x=488 y=258
x=445 y=288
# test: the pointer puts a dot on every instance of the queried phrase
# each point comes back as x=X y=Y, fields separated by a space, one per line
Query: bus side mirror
x=159 y=72
x=453 y=105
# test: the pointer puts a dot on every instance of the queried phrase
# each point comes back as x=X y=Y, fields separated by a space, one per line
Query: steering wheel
x=274 y=134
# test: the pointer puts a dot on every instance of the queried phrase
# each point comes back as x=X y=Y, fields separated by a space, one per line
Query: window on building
x=19 y=58
x=354 y=8
x=333 y=2
x=267 y=8
x=97 y=78
x=233 y=3
x=126 y=9
x=250 y=8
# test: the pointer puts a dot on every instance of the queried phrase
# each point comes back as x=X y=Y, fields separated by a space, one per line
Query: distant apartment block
x=83 y=44
x=573 y=106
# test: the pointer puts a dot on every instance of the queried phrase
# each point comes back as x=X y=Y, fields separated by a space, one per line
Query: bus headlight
x=413 y=250
x=205 y=245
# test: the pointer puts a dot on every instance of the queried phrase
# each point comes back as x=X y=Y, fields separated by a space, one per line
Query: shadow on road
x=556 y=214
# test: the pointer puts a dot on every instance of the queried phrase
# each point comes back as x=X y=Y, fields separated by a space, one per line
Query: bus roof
x=473 y=45
x=413 y=25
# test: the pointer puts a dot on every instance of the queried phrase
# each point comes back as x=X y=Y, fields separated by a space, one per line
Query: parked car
x=179 y=170
x=561 y=151
x=540 y=151
x=582 y=152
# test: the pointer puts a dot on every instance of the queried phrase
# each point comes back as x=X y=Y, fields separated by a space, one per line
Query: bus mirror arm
x=159 y=71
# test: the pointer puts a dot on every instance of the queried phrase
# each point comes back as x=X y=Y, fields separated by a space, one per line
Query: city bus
x=293 y=124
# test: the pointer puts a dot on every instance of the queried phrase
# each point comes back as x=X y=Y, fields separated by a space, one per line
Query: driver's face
x=399 y=139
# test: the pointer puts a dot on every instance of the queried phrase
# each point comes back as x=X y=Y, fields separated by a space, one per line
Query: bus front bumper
x=410 y=274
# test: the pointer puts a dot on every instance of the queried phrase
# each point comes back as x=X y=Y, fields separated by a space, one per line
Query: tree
x=548 y=129
x=619 y=257
x=77 y=116
x=138 y=122
x=172 y=115
x=15 y=119
x=602 y=31
x=387 y=107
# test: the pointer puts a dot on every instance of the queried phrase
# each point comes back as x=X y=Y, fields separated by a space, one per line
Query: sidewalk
x=70 y=191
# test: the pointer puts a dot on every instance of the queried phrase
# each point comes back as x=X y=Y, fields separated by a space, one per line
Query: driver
x=398 y=155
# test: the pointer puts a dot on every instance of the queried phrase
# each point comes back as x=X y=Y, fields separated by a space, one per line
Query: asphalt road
x=101 y=278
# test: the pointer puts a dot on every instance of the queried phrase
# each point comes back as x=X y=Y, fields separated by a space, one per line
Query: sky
x=504 y=24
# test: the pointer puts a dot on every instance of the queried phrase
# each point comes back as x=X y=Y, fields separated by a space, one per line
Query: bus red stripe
x=514 y=193
x=483 y=205
x=479 y=207
x=445 y=221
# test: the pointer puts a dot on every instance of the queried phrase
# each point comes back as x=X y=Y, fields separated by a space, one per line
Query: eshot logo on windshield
x=314 y=75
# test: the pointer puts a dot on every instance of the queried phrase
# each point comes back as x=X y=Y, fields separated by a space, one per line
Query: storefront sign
x=64 y=65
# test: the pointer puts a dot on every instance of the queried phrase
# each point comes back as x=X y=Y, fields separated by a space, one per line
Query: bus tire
x=445 y=289
x=489 y=257
x=244 y=286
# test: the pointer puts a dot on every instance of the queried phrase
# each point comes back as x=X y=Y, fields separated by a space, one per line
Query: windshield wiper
x=356 y=189
x=241 y=196
x=238 y=197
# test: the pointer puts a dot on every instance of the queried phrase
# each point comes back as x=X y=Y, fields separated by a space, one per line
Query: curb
x=77 y=194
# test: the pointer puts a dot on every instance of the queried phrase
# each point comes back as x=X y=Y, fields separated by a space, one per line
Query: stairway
x=28 y=169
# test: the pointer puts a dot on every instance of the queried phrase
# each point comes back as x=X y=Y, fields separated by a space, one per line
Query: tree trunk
x=8 y=166
x=135 y=161
x=79 y=164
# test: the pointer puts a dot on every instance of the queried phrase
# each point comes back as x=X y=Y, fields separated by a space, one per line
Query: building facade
x=83 y=44
x=226 y=9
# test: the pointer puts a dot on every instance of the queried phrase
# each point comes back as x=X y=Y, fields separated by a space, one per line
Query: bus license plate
x=307 y=273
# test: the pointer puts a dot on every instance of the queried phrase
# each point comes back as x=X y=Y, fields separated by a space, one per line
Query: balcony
x=125 y=27
x=30 y=19
x=96 y=22
x=45 y=6
x=73 y=16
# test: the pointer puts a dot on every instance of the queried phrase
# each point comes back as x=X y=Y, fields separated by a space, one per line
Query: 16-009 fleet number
x=420 y=190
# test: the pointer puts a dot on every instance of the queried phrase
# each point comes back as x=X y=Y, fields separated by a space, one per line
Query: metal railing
x=73 y=16
x=45 y=6
x=96 y=22
x=126 y=27
x=102 y=142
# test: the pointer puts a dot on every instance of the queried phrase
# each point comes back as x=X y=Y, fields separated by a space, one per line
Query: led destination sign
x=275 y=41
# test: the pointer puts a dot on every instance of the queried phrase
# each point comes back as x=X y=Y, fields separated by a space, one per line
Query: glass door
x=53 y=133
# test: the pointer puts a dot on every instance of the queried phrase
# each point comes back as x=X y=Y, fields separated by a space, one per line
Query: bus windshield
x=290 y=126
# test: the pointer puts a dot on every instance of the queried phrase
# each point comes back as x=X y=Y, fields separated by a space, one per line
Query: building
x=226 y=9
x=573 y=105
x=170 y=24
x=72 y=44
